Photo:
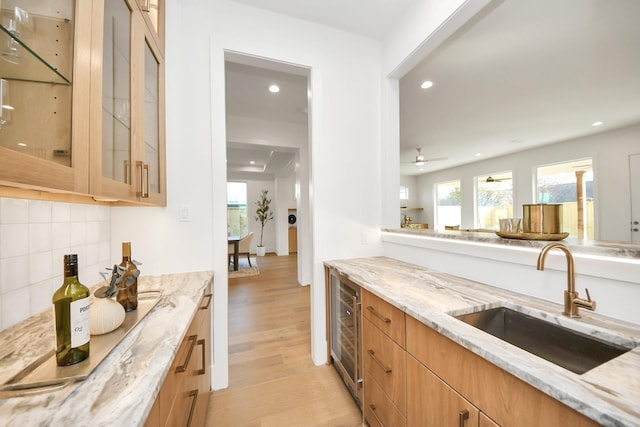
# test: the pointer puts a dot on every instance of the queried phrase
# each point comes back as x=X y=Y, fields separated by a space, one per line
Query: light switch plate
x=184 y=213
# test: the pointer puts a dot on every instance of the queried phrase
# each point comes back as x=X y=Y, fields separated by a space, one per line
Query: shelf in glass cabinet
x=19 y=62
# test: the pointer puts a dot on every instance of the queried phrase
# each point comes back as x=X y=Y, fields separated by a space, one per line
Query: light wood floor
x=272 y=380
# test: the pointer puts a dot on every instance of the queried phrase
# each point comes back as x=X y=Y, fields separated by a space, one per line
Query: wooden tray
x=532 y=236
x=45 y=374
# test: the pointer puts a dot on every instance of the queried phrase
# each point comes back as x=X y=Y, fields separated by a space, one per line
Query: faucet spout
x=572 y=302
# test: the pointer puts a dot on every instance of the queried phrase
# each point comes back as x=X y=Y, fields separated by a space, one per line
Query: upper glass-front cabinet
x=116 y=92
x=82 y=99
x=37 y=89
x=130 y=164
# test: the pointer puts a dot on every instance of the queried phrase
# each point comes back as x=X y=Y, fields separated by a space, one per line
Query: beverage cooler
x=345 y=333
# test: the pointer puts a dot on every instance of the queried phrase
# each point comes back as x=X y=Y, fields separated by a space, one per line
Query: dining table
x=235 y=241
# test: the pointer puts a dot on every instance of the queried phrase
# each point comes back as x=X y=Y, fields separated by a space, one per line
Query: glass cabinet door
x=151 y=120
x=116 y=92
x=36 y=91
x=153 y=10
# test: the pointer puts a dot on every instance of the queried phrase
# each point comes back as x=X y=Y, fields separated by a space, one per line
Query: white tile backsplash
x=14 y=211
x=14 y=240
x=39 y=211
x=39 y=237
x=34 y=237
x=14 y=273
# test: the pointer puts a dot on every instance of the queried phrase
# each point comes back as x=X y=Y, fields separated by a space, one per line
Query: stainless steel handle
x=373 y=411
x=378 y=315
x=462 y=417
x=375 y=359
x=355 y=304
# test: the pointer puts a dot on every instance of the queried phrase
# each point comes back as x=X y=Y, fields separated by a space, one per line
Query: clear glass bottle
x=71 y=316
x=128 y=292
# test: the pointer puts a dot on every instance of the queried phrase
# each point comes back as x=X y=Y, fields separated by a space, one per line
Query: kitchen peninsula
x=607 y=394
x=123 y=388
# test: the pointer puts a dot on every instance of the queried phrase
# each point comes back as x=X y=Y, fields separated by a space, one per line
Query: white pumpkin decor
x=105 y=315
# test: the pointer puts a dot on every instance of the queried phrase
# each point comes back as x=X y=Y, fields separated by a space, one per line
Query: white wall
x=345 y=107
x=612 y=192
x=34 y=237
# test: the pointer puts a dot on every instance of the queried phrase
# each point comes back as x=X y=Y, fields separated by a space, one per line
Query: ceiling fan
x=492 y=179
x=421 y=160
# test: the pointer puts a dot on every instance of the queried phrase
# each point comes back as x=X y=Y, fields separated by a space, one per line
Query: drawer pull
x=194 y=394
x=206 y=306
x=375 y=359
x=183 y=367
x=204 y=352
x=378 y=315
x=373 y=411
x=462 y=416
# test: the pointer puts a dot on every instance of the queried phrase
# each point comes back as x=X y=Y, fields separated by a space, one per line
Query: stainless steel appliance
x=344 y=310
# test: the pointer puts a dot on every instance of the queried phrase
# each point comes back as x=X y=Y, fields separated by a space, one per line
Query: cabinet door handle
x=194 y=395
x=378 y=315
x=206 y=306
x=373 y=411
x=204 y=358
x=183 y=367
x=144 y=180
x=462 y=416
x=375 y=359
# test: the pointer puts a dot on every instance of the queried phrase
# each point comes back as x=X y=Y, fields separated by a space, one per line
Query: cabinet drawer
x=384 y=361
x=434 y=403
x=504 y=398
x=388 y=318
x=378 y=409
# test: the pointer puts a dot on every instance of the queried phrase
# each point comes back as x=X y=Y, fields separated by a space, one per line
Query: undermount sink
x=565 y=347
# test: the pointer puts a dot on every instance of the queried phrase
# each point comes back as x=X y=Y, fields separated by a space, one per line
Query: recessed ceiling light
x=252 y=162
x=478 y=154
x=22 y=144
x=8 y=107
x=598 y=123
x=274 y=88
x=426 y=84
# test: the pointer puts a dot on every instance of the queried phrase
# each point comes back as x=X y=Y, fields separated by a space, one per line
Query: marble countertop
x=608 y=394
x=577 y=246
x=123 y=388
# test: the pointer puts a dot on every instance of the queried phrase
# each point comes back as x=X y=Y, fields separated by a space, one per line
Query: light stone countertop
x=123 y=388
x=577 y=246
x=608 y=394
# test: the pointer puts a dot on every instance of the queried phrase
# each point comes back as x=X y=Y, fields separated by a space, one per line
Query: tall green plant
x=263 y=212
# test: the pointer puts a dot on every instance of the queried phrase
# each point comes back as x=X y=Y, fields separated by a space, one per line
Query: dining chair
x=244 y=247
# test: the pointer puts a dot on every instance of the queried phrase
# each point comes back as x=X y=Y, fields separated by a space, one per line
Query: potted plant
x=263 y=215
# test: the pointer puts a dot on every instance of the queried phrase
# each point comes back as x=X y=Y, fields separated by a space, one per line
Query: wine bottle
x=71 y=316
x=128 y=292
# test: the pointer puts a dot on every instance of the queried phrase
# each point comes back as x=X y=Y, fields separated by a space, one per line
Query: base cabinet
x=503 y=399
x=184 y=395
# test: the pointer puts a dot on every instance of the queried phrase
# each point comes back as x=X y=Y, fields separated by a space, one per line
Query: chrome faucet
x=571 y=300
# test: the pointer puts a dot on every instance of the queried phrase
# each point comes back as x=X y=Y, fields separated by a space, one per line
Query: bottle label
x=79 y=310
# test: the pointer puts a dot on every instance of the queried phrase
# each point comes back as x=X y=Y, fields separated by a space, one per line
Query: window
x=237 y=209
x=570 y=184
x=494 y=199
x=448 y=204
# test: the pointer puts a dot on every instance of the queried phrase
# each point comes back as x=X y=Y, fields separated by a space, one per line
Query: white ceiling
x=247 y=82
x=371 y=18
x=523 y=74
